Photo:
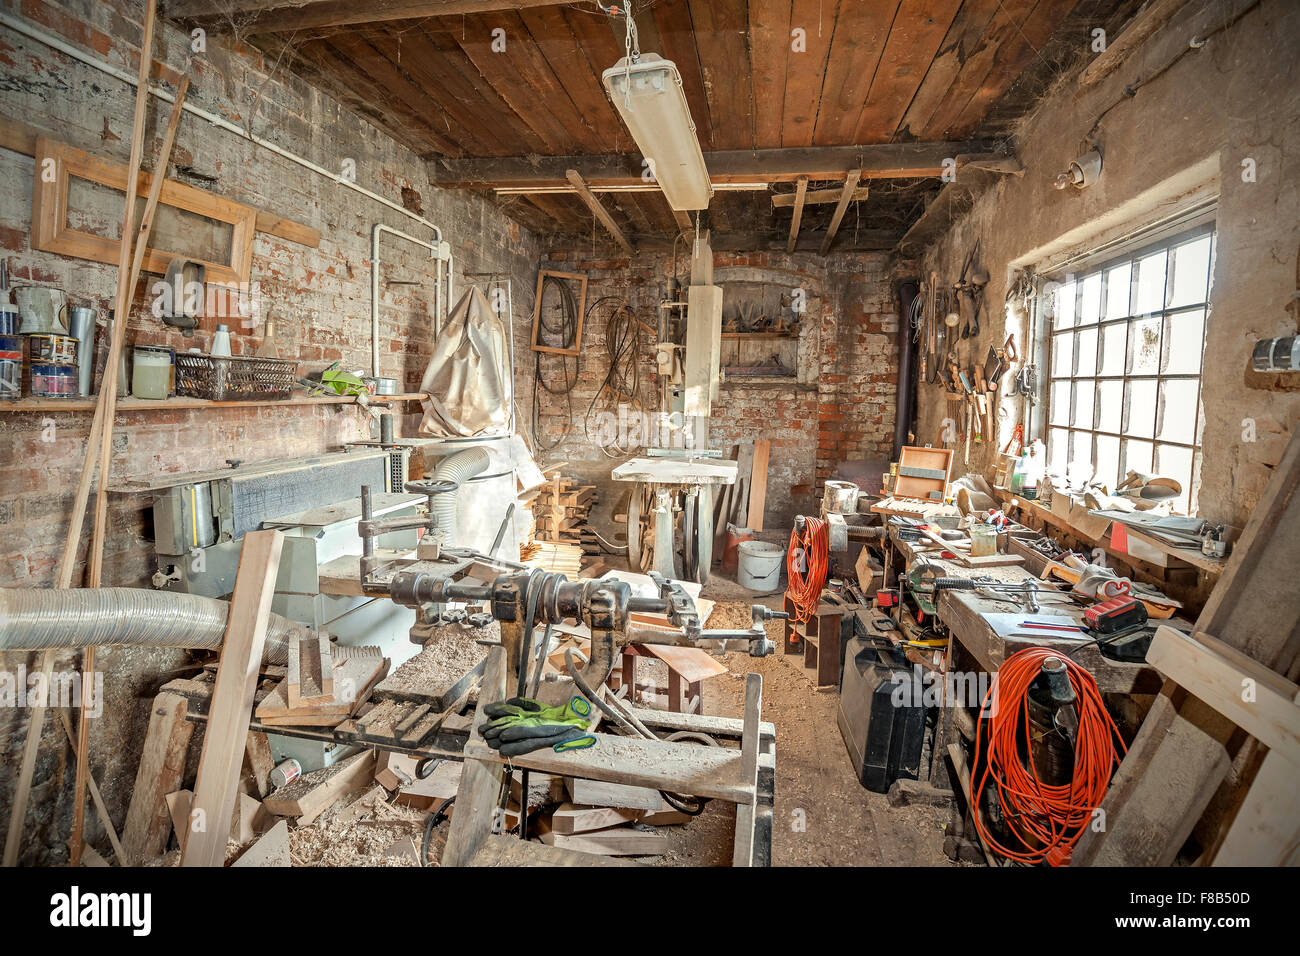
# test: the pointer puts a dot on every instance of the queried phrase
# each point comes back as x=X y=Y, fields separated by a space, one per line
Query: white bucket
x=759 y=567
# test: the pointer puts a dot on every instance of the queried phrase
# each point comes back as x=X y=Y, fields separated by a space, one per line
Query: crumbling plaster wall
x=1237 y=98
x=320 y=299
x=835 y=417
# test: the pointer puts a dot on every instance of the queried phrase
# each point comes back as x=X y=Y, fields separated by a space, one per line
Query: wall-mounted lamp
x=1083 y=172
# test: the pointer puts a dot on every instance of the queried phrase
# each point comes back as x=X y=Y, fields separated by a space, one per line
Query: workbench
x=965 y=615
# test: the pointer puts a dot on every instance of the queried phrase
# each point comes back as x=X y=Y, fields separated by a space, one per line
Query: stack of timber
x=561 y=508
x=552 y=556
x=325 y=684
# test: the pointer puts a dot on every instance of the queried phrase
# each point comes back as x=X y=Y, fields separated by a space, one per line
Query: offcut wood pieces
x=271 y=850
x=216 y=789
x=561 y=510
x=354 y=672
x=312 y=794
x=310 y=678
x=161 y=766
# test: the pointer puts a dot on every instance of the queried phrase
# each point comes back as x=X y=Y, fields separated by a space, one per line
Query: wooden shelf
x=1187 y=555
x=131 y=405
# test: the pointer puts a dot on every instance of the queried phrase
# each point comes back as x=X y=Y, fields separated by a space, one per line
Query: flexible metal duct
x=459 y=468
x=35 y=619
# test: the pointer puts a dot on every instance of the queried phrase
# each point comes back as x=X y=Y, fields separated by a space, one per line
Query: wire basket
x=238 y=378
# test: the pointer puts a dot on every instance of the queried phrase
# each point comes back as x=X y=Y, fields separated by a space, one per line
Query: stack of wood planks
x=561 y=508
x=744 y=503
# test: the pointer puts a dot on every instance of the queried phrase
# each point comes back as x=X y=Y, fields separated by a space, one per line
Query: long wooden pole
x=103 y=418
x=125 y=293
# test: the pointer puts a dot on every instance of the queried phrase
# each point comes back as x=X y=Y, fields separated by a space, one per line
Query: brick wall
x=319 y=297
x=835 y=418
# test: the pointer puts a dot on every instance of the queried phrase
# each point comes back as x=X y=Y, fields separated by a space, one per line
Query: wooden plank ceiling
x=473 y=84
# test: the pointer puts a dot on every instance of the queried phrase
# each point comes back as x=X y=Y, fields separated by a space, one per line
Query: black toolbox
x=881 y=713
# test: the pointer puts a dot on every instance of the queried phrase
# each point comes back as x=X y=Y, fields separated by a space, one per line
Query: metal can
x=286 y=773
x=54 y=381
x=11 y=368
x=52 y=349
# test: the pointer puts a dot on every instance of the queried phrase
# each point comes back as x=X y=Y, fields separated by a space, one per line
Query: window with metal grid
x=1126 y=347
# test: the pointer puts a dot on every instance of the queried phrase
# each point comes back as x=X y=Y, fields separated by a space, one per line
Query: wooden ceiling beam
x=884 y=161
x=815 y=197
x=278 y=16
x=598 y=210
x=800 y=196
x=850 y=187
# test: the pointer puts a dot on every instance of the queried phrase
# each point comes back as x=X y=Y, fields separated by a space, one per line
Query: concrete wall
x=834 y=417
x=1188 y=130
x=320 y=299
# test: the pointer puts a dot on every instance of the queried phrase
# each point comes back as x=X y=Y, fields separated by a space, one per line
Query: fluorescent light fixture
x=648 y=95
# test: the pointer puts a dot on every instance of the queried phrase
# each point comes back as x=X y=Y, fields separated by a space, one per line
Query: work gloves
x=521 y=725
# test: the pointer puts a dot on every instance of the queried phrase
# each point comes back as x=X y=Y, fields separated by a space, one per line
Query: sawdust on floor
x=359 y=842
x=823 y=816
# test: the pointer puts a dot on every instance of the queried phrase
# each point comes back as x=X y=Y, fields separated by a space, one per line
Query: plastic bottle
x=221 y=341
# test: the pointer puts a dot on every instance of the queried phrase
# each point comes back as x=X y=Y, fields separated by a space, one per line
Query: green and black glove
x=521 y=725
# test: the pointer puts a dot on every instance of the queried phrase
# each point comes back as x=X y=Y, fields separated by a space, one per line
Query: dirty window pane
x=1178 y=410
x=1090 y=299
x=1110 y=406
x=1107 y=460
x=1086 y=346
x=1137 y=456
x=1065 y=306
x=1057 y=441
x=1062 y=355
x=1149 y=292
x=1190 y=265
x=1140 y=408
x=1114 y=345
x=1117 y=291
x=1144 y=345
x=1184 y=342
x=1060 y=403
x=1085 y=394
x=1080 y=450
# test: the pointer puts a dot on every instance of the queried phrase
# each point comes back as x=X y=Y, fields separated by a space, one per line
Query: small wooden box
x=923 y=473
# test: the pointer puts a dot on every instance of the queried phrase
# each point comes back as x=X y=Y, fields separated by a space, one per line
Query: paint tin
x=54 y=381
x=52 y=349
x=286 y=773
x=11 y=367
x=9 y=319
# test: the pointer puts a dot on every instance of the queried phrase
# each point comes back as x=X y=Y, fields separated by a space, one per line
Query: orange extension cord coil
x=814 y=544
x=1047 y=820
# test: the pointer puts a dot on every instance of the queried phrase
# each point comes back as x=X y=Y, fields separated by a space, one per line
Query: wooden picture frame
x=577 y=277
x=51 y=233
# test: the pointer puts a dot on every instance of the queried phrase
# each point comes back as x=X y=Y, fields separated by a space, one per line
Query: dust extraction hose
x=460 y=467
x=36 y=619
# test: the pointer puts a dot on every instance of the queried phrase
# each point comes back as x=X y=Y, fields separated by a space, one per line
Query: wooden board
x=232 y=698
x=162 y=764
x=581 y=296
x=615 y=841
x=691 y=663
x=271 y=850
x=311 y=795
x=572 y=818
x=758 y=484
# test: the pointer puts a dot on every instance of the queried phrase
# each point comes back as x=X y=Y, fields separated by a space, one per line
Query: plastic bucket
x=759 y=565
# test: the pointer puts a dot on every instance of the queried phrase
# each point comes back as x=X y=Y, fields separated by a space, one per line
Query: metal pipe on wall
x=438 y=250
x=905 y=390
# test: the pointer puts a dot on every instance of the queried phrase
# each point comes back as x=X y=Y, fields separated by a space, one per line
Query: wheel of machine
x=689 y=544
x=640 y=527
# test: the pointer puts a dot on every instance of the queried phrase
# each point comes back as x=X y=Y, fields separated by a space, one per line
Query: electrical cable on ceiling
x=1047 y=820
x=561 y=333
x=807 y=562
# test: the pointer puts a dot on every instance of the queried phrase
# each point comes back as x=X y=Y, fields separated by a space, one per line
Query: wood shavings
x=451 y=652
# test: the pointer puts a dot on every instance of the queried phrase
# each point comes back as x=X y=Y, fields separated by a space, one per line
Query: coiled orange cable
x=804 y=591
x=1047 y=820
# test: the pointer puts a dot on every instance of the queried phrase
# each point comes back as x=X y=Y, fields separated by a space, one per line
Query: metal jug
x=42 y=310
